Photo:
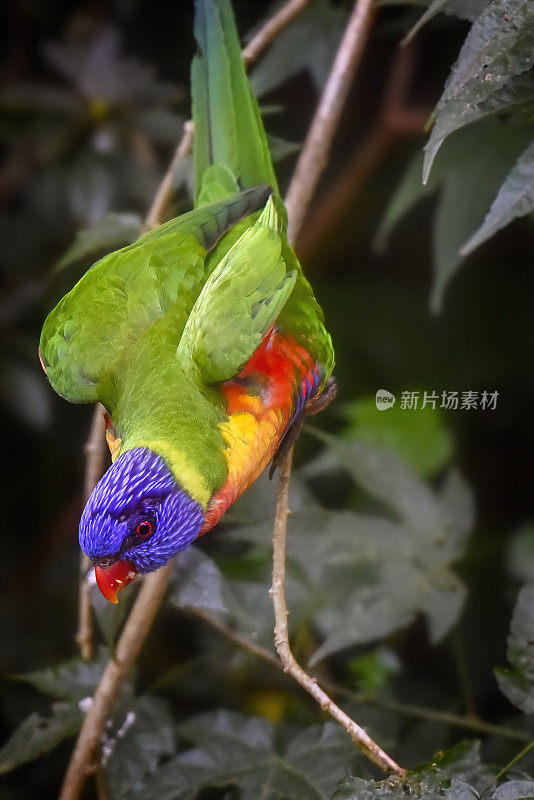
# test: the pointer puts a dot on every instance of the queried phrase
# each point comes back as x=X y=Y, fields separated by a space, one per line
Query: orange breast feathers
x=262 y=400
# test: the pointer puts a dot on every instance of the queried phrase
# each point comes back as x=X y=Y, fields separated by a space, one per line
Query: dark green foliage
x=421 y=439
x=517 y=682
x=515 y=199
x=72 y=680
x=456 y=774
x=488 y=175
x=231 y=750
x=468 y=172
x=135 y=748
x=37 y=735
x=109 y=233
x=355 y=577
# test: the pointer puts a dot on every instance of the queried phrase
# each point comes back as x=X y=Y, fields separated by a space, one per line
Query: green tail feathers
x=231 y=153
x=231 y=149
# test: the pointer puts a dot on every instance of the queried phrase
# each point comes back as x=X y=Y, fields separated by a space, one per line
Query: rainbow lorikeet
x=202 y=339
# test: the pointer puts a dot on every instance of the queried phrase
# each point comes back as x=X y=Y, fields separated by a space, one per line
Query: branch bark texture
x=397 y=119
x=314 y=155
x=95 y=464
x=84 y=758
x=281 y=633
x=271 y=29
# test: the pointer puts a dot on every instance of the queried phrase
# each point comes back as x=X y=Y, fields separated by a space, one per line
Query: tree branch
x=271 y=29
x=309 y=167
x=95 y=464
x=316 y=149
x=281 y=635
x=130 y=642
x=403 y=709
x=165 y=189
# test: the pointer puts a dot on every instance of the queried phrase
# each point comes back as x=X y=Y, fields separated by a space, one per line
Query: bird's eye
x=144 y=529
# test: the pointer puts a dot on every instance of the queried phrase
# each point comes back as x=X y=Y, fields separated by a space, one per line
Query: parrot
x=202 y=339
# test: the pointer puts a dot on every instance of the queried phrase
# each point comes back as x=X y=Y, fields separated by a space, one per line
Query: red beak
x=111 y=579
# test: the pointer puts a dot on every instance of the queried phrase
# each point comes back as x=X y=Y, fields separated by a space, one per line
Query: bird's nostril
x=104 y=561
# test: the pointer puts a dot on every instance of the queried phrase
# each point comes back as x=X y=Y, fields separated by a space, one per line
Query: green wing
x=86 y=337
x=239 y=302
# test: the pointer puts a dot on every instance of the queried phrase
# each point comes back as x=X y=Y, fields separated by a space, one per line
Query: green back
x=91 y=333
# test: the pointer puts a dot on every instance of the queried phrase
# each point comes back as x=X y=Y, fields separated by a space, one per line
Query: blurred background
x=93 y=99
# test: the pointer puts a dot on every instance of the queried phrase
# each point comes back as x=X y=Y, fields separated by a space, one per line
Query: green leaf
x=282 y=148
x=503 y=143
x=109 y=233
x=198 y=586
x=514 y=790
x=197 y=583
x=134 y=750
x=232 y=750
x=468 y=190
x=38 y=734
x=73 y=680
x=455 y=774
x=434 y=8
x=355 y=577
x=408 y=192
x=468 y=171
x=517 y=683
x=491 y=74
x=515 y=199
x=234 y=588
x=378 y=574
x=421 y=439
x=372 y=671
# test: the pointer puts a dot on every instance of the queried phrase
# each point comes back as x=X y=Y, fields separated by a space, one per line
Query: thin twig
x=95 y=462
x=431 y=714
x=309 y=168
x=318 y=142
x=281 y=635
x=508 y=767
x=130 y=642
x=165 y=189
x=271 y=29
x=403 y=709
x=237 y=638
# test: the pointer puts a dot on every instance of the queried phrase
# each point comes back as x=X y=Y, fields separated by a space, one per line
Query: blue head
x=137 y=517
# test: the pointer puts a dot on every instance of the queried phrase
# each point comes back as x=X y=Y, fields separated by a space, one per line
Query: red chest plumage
x=274 y=385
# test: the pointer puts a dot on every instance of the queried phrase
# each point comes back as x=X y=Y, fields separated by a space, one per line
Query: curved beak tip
x=111 y=579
